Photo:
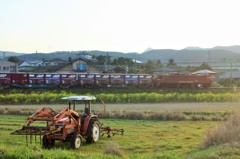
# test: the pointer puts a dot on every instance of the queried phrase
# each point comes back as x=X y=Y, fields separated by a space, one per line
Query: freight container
x=87 y=79
x=102 y=79
x=5 y=79
x=145 y=80
x=69 y=79
x=19 y=78
x=132 y=79
x=117 y=79
x=35 y=79
x=52 y=79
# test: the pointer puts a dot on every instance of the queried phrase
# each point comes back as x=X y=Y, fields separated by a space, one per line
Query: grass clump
x=112 y=148
x=226 y=133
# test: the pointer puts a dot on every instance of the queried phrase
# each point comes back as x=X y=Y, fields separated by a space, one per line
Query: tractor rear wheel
x=93 y=132
x=76 y=141
x=47 y=143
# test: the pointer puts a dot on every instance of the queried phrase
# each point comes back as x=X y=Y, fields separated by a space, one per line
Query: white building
x=7 y=67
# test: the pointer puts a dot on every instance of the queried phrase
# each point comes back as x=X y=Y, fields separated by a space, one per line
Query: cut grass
x=142 y=139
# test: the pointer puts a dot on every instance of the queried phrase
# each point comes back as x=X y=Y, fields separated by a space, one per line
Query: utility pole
x=126 y=67
x=231 y=83
x=4 y=55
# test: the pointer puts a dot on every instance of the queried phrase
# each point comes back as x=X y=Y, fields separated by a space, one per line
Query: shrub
x=135 y=115
x=177 y=116
x=14 y=111
x=196 y=117
x=2 y=110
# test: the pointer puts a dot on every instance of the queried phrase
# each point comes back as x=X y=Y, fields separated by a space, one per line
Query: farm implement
x=67 y=125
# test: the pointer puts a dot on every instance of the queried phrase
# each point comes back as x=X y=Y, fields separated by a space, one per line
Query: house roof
x=56 y=60
x=30 y=63
x=79 y=98
x=3 y=62
x=167 y=69
x=204 y=72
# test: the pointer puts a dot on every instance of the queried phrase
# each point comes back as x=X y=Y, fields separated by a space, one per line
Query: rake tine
x=30 y=136
x=40 y=136
x=26 y=140
x=35 y=138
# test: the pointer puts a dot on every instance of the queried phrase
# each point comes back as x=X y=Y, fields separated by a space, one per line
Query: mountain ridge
x=192 y=53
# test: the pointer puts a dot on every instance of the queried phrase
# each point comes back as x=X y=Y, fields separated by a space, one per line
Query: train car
x=5 y=79
x=102 y=79
x=183 y=80
x=117 y=79
x=69 y=79
x=145 y=80
x=86 y=80
x=36 y=78
x=52 y=79
x=132 y=79
x=19 y=79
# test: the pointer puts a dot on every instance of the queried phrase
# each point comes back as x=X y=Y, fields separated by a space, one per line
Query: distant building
x=54 y=62
x=137 y=61
x=230 y=75
x=167 y=70
x=30 y=65
x=8 y=67
x=82 y=65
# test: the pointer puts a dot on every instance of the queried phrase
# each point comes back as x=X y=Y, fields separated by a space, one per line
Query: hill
x=234 y=48
x=189 y=54
x=8 y=54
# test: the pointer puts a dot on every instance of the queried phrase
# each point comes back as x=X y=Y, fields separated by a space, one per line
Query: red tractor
x=67 y=125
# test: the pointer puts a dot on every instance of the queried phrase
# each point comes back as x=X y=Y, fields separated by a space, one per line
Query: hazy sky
x=117 y=25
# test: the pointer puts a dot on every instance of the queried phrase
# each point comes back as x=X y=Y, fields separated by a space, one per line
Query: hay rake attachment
x=33 y=131
x=109 y=131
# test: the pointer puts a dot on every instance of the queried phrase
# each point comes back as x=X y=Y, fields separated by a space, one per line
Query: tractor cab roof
x=79 y=98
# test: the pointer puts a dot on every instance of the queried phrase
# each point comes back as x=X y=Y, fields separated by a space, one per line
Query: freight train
x=100 y=80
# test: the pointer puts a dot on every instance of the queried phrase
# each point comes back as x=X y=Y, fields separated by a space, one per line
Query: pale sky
x=117 y=25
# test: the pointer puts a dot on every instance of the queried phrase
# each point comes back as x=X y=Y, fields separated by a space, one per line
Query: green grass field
x=142 y=139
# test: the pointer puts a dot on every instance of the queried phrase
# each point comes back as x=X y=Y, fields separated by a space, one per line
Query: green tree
x=102 y=59
x=204 y=66
x=13 y=59
x=149 y=67
x=69 y=59
x=159 y=64
x=171 y=63
x=119 y=69
x=121 y=61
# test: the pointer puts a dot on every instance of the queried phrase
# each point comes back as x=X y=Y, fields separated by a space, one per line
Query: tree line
x=128 y=65
x=123 y=65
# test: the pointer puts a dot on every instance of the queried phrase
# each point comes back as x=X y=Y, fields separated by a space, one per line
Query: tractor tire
x=76 y=141
x=93 y=132
x=47 y=143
